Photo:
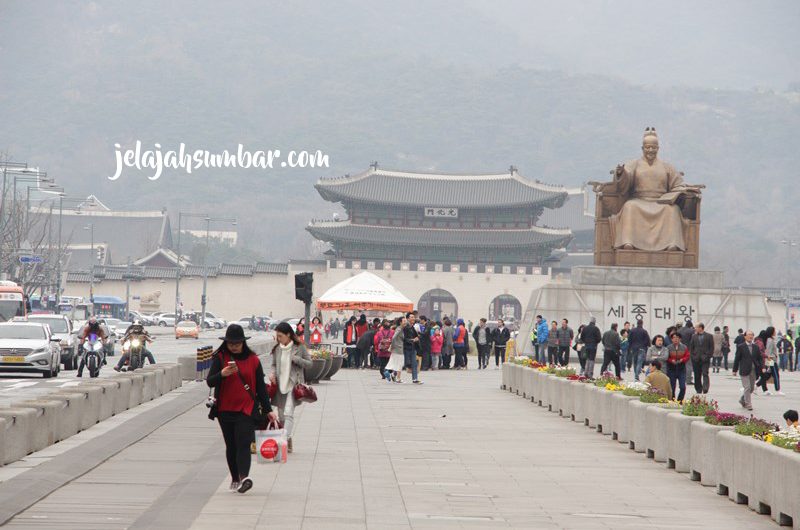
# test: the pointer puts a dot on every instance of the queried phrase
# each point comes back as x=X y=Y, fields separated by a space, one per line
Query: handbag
x=272 y=389
x=304 y=394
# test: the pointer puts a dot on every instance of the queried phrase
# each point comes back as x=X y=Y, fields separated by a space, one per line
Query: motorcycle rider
x=136 y=330
x=92 y=326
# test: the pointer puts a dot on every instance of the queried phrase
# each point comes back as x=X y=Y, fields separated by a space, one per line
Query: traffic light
x=203 y=300
x=303 y=289
x=101 y=253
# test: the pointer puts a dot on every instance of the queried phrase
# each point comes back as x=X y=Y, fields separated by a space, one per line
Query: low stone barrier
x=149 y=388
x=122 y=398
x=3 y=423
x=161 y=386
x=17 y=432
x=45 y=427
x=505 y=370
x=704 y=459
x=657 y=443
x=77 y=406
x=137 y=389
x=748 y=471
x=108 y=388
x=188 y=367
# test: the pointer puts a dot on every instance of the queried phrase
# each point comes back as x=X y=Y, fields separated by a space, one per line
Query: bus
x=12 y=301
x=109 y=306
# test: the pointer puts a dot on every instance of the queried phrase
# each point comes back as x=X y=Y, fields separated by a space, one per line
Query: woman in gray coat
x=289 y=359
x=397 y=359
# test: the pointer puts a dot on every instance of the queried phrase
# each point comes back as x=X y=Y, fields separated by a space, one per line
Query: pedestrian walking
x=552 y=343
x=579 y=348
x=770 y=366
x=394 y=368
x=483 y=341
x=383 y=346
x=289 y=361
x=500 y=337
x=639 y=343
x=611 y=350
x=460 y=344
x=701 y=349
x=237 y=377
x=716 y=356
x=785 y=350
x=565 y=335
x=656 y=352
x=627 y=356
x=726 y=346
x=350 y=340
x=542 y=332
x=425 y=343
x=686 y=332
x=410 y=346
x=590 y=336
x=447 y=346
x=677 y=357
x=747 y=362
x=436 y=346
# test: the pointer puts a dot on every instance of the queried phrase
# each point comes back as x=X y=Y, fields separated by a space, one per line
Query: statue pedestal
x=149 y=307
x=661 y=297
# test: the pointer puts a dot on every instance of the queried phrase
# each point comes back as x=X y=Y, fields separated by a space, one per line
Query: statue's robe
x=649 y=218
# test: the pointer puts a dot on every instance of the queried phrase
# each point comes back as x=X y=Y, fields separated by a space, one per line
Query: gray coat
x=565 y=336
x=447 y=345
x=654 y=354
x=301 y=360
x=397 y=341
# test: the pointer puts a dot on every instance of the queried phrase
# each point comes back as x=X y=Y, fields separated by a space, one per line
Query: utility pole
x=128 y=290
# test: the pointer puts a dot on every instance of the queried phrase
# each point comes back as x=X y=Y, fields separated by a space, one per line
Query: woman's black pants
x=239 y=431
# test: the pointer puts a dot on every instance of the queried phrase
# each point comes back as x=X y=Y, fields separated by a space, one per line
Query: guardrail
x=748 y=471
x=34 y=424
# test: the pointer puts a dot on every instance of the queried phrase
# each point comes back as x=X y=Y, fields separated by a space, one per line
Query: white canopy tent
x=365 y=291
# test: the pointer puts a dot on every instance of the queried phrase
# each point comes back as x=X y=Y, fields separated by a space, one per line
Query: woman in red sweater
x=237 y=377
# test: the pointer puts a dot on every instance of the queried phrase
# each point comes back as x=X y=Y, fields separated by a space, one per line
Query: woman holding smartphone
x=289 y=359
x=237 y=377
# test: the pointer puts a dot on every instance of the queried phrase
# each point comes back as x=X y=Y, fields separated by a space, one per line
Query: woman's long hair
x=286 y=329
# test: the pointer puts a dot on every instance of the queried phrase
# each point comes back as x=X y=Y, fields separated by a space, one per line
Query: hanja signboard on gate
x=433 y=211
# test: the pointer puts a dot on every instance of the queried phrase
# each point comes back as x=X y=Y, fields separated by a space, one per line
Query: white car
x=165 y=319
x=29 y=347
x=61 y=328
x=215 y=322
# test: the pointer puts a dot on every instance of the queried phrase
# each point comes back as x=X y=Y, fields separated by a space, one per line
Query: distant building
x=578 y=214
x=399 y=220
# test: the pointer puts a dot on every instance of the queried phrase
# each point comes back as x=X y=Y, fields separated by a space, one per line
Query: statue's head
x=650 y=144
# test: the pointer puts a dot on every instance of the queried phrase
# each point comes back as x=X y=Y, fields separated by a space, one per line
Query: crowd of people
x=687 y=353
x=416 y=343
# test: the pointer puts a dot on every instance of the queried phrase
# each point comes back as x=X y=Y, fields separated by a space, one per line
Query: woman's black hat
x=234 y=333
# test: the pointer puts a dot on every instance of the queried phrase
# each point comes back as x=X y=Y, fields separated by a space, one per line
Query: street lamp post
x=61 y=200
x=208 y=221
x=90 y=227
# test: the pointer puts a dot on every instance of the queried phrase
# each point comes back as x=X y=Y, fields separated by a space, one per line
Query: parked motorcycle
x=93 y=354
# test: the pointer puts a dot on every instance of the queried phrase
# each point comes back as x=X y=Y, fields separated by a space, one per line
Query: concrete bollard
x=523 y=381
x=567 y=397
x=763 y=496
x=137 y=389
x=620 y=421
x=530 y=383
x=85 y=402
x=555 y=394
x=69 y=416
x=161 y=384
x=786 y=501
x=606 y=410
x=172 y=373
x=108 y=390
x=3 y=423
x=580 y=391
x=544 y=389
x=679 y=446
x=657 y=443
x=704 y=459
x=18 y=430
x=592 y=392
x=725 y=442
x=504 y=376
x=122 y=397
x=45 y=428
x=637 y=425
x=535 y=386
x=148 y=384
x=188 y=367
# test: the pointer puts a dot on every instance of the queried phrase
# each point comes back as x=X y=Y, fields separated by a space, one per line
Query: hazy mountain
x=450 y=86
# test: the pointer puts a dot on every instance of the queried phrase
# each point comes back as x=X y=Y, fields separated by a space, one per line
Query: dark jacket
x=500 y=336
x=639 y=339
x=409 y=334
x=590 y=336
x=611 y=341
x=565 y=336
x=489 y=334
x=744 y=362
x=701 y=347
x=686 y=334
x=425 y=338
x=365 y=341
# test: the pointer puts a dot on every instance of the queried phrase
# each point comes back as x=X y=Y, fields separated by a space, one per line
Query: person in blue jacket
x=542 y=332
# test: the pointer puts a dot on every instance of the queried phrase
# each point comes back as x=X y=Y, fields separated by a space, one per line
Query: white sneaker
x=767 y=393
x=779 y=393
x=234 y=486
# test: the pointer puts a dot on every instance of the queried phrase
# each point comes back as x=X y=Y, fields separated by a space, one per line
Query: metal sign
x=31 y=259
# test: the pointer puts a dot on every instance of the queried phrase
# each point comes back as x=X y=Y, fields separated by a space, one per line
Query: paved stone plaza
x=455 y=452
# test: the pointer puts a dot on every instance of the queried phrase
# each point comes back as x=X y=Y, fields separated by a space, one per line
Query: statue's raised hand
x=618 y=171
